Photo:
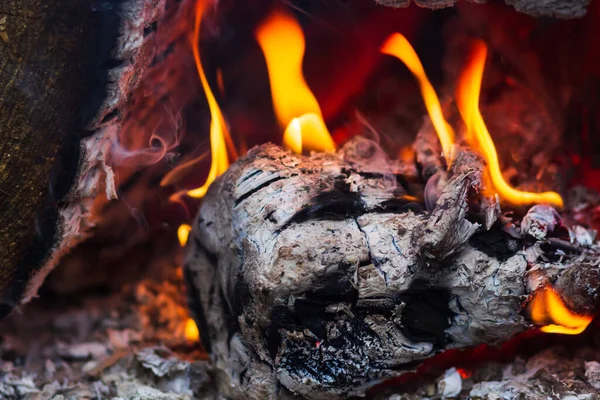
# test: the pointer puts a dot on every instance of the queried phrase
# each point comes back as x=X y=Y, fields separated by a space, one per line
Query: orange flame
x=218 y=129
x=183 y=232
x=397 y=45
x=192 y=334
x=467 y=96
x=282 y=42
x=548 y=309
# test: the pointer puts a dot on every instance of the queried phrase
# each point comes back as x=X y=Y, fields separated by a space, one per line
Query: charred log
x=67 y=69
x=303 y=281
x=535 y=8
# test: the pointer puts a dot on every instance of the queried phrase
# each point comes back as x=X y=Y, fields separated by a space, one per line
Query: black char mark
x=336 y=204
x=495 y=243
x=425 y=318
x=426 y=314
x=308 y=311
x=263 y=185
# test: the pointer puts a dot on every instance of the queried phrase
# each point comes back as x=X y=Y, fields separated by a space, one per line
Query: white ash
x=539 y=221
x=451 y=384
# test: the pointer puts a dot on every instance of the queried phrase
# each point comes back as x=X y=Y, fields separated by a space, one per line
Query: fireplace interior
x=279 y=213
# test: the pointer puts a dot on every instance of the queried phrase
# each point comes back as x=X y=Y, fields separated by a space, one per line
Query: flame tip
x=398 y=46
x=467 y=99
x=281 y=40
x=219 y=133
x=191 y=331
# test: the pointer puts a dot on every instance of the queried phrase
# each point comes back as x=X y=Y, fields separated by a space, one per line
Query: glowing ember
x=549 y=310
x=464 y=373
x=218 y=129
x=467 y=97
x=183 y=233
x=397 y=46
x=192 y=334
x=282 y=42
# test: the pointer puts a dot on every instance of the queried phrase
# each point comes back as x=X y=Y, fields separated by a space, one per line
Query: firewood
x=535 y=8
x=67 y=69
x=323 y=275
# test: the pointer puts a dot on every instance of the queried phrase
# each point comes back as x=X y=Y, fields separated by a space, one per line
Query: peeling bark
x=536 y=8
x=60 y=111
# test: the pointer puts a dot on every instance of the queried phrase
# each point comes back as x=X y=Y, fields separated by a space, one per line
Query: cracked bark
x=324 y=275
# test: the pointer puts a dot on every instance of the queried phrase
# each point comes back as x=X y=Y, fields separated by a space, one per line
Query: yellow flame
x=192 y=333
x=467 y=96
x=548 y=309
x=398 y=46
x=298 y=113
x=218 y=129
x=183 y=232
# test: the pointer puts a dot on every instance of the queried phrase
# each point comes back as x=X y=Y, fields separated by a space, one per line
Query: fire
x=548 y=309
x=298 y=113
x=218 y=129
x=398 y=46
x=464 y=373
x=192 y=334
x=467 y=97
x=183 y=232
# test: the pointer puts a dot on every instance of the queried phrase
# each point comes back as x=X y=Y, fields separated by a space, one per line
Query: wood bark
x=535 y=8
x=323 y=275
x=66 y=70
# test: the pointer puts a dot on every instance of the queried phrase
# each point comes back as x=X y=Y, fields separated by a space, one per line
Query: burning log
x=67 y=69
x=535 y=8
x=324 y=275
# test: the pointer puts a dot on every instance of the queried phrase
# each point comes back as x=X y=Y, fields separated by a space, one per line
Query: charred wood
x=68 y=70
x=305 y=280
x=535 y=8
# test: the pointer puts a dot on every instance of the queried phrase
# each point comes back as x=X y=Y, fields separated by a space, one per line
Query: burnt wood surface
x=535 y=8
x=66 y=68
x=53 y=74
x=324 y=275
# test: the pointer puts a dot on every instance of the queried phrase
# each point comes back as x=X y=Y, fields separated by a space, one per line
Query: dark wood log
x=535 y=8
x=66 y=70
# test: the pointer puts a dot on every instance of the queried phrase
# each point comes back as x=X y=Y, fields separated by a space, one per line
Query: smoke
x=133 y=147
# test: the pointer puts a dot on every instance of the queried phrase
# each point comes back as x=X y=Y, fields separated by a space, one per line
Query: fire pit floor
x=132 y=345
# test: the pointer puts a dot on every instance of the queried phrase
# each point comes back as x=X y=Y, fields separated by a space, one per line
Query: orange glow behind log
x=478 y=136
x=218 y=129
x=398 y=46
x=298 y=113
x=549 y=310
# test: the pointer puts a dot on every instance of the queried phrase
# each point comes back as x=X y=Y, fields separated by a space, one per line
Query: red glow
x=464 y=373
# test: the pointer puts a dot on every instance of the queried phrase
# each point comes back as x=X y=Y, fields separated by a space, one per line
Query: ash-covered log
x=324 y=275
x=535 y=8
